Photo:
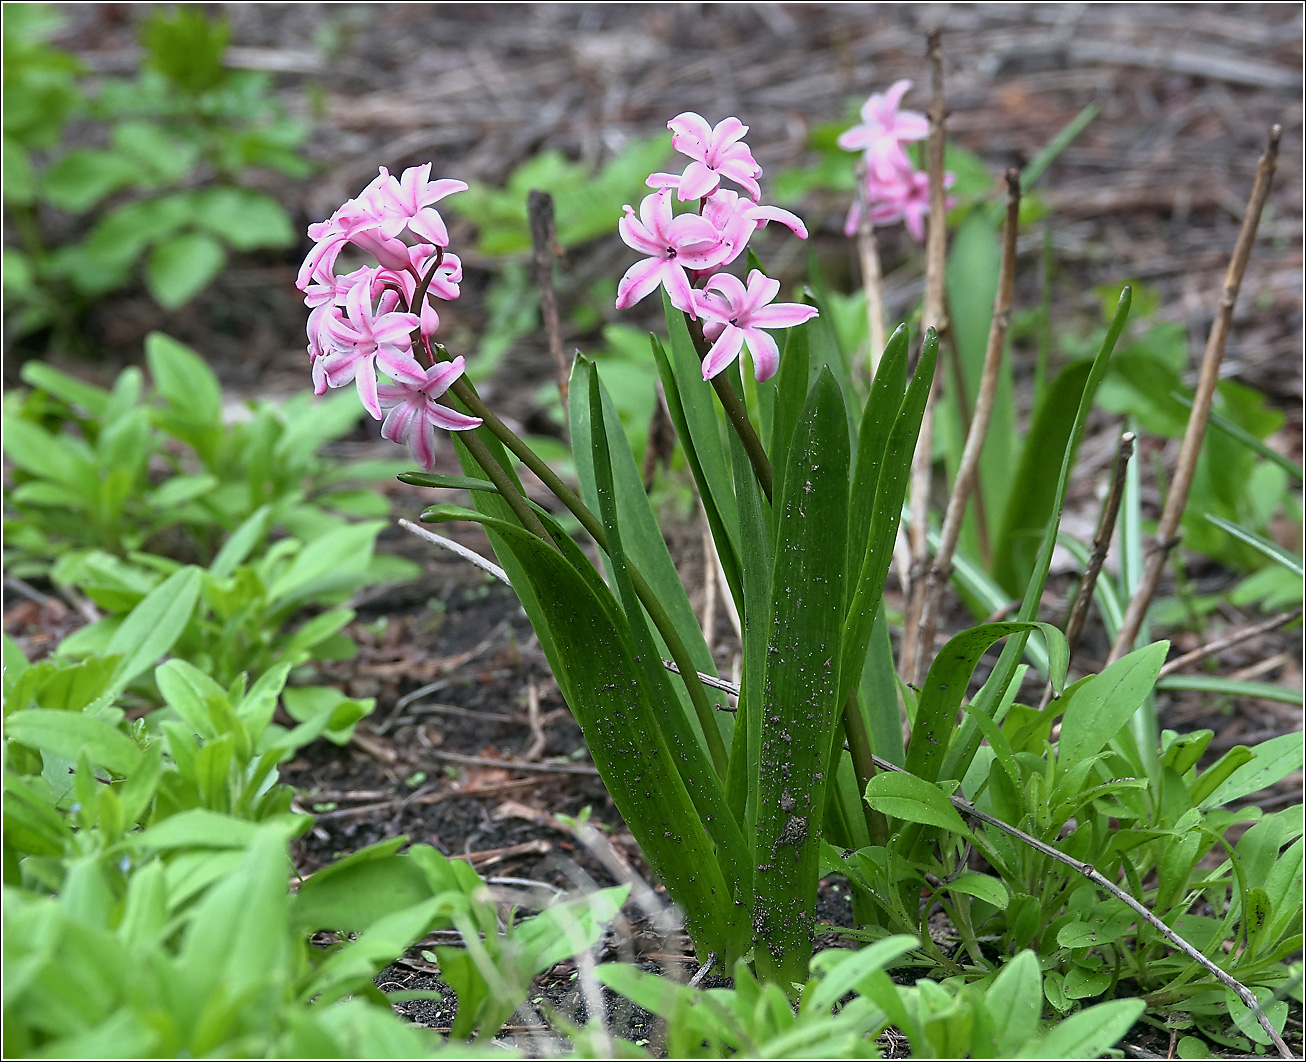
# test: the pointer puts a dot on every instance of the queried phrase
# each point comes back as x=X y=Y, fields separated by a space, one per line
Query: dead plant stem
x=931 y=588
x=932 y=316
x=1228 y=641
x=544 y=249
x=1177 y=496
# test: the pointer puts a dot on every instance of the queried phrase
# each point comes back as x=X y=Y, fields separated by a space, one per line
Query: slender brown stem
x=544 y=241
x=1228 y=641
x=1106 y=526
x=931 y=588
x=1247 y=997
x=932 y=316
x=1177 y=497
x=868 y=254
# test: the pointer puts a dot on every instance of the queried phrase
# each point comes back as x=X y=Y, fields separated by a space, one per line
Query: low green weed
x=161 y=191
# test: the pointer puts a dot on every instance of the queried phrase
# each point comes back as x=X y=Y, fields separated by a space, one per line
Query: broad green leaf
x=84 y=176
x=1015 y=1003
x=69 y=733
x=891 y=488
x=1099 y=708
x=181 y=267
x=201 y=828
x=982 y=887
x=843 y=971
x=244 y=218
x=345 y=548
x=912 y=799
x=697 y=741
x=1271 y=761
x=186 y=689
x=1088 y=1034
x=800 y=700
x=155 y=624
x=76 y=392
x=791 y=386
x=184 y=379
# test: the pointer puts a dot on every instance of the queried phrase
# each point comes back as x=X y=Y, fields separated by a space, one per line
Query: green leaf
x=842 y=971
x=1218 y=684
x=912 y=799
x=184 y=379
x=84 y=176
x=201 y=828
x=1088 y=1034
x=95 y=400
x=347 y=548
x=1272 y=550
x=155 y=624
x=982 y=887
x=68 y=734
x=1100 y=707
x=187 y=689
x=244 y=218
x=1015 y=1003
x=947 y=682
x=181 y=267
x=801 y=684
x=1271 y=761
x=241 y=543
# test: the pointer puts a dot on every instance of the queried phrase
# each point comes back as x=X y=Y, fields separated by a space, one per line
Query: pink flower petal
x=640 y=279
x=764 y=352
x=697 y=181
x=451 y=419
x=781 y=315
x=724 y=351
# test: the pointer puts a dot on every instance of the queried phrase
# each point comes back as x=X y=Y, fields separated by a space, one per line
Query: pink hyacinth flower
x=363 y=339
x=735 y=316
x=412 y=413
x=905 y=198
x=674 y=244
x=408 y=202
x=717 y=152
x=883 y=129
x=737 y=218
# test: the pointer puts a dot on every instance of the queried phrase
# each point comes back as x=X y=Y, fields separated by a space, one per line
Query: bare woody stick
x=544 y=248
x=931 y=589
x=868 y=254
x=1177 y=497
x=1228 y=641
x=1106 y=526
x=932 y=316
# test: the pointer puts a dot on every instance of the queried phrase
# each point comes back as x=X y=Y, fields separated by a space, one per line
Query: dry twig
x=932 y=316
x=1177 y=496
x=544 y=248
x=1218 y=645
x=930 y=589
x=868 y=254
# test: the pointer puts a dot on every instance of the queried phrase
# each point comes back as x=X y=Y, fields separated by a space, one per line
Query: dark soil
x=1154 y=191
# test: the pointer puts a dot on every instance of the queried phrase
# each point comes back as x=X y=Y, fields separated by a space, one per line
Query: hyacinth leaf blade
x=801 y=683
x=595 y=664
x=639 y=527
x=967 y=739
x=676 y=733
x=891 y=488
x=878 y=418
x=680 y=412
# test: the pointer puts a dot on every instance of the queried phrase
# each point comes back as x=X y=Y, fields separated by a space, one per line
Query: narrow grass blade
x=1259 y=543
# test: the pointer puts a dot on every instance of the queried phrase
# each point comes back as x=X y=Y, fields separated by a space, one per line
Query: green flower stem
x=675 y=646
x=736 y=413
x=859 y=748
x=507 y=489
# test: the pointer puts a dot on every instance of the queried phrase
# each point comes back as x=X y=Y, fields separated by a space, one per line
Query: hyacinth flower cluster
x=895 y=189
x=379 y=320
x=688 y=253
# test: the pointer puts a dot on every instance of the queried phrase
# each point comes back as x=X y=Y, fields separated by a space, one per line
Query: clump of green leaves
x=124 y=470
x=160 y=189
